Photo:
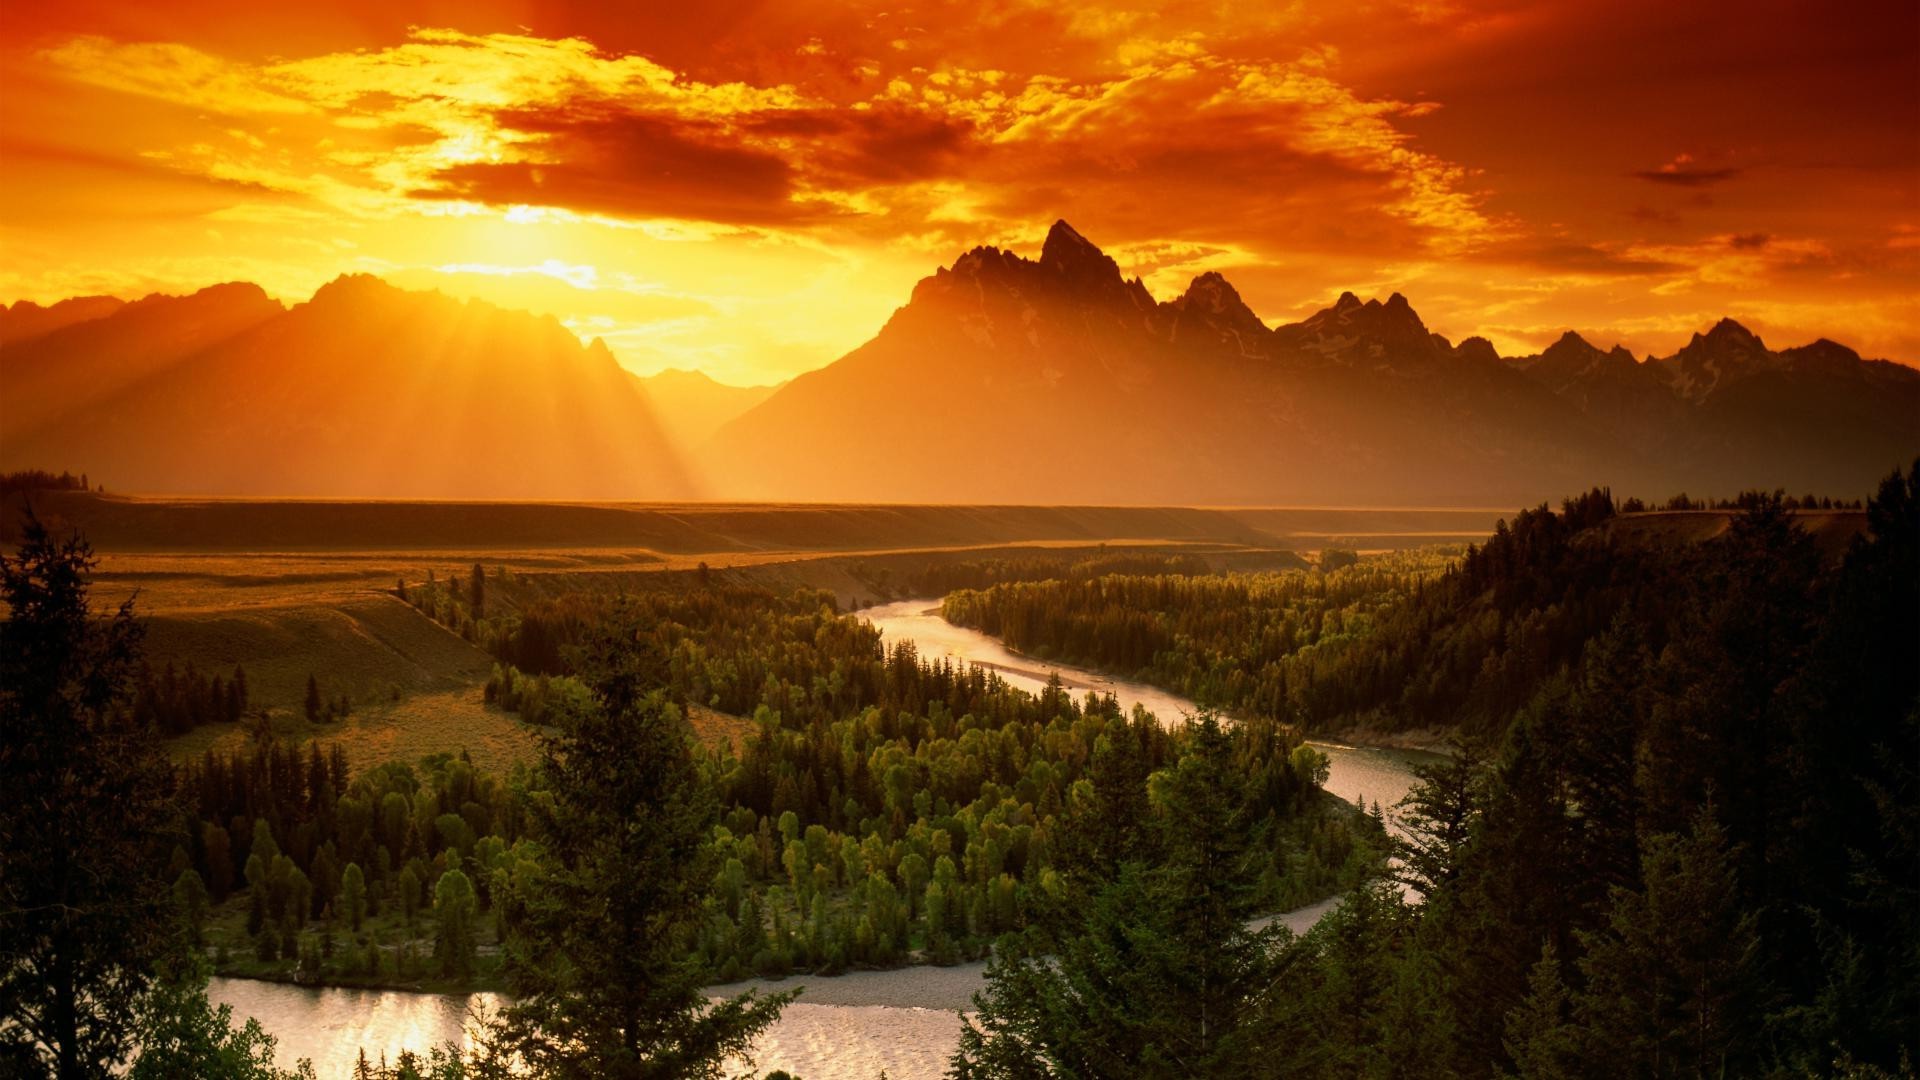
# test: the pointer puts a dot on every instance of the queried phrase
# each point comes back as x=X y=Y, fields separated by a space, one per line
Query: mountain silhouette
x=1003 y=379
x=1009 y=379
x=365 y=390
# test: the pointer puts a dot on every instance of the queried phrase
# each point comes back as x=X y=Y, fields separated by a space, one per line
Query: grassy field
x=289 y=589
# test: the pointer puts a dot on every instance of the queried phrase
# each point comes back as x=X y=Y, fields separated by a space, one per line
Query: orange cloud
x=790 y=169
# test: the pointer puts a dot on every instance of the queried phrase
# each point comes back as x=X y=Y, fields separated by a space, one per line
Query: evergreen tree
x=1159 y=973
x=618 y=994
x=1672 y=984
x=84 y=809
x=1541 y=1038
x=478 y=597
x=190 y=902
x=314 y=705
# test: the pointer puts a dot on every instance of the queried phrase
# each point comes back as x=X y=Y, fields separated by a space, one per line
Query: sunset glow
x=750 y=188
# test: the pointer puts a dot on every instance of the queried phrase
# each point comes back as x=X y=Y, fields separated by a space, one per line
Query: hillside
x=1059 y=379
x=1002 y=380
x=364 y=390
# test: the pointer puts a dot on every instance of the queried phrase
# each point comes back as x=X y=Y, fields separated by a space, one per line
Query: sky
x=751 y=188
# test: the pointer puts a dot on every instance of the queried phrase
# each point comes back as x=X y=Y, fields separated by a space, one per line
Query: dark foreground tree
x=83 y=805
x=604 y=975
x=1158 y=974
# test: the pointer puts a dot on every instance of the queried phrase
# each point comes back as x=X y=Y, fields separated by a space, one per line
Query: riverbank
x=1427 y=740
x=917 y=619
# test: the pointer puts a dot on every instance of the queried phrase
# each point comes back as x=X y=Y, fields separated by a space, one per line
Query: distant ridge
x=365 y=390
x=1059 y=379
x=1003 y=379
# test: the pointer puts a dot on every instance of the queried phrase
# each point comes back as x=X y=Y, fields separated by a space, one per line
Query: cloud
x=1682 y=172
x=1586 y=259
x=452 y=122
x=638 y=166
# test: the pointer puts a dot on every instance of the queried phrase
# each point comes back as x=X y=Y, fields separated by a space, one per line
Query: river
x=848 y=1026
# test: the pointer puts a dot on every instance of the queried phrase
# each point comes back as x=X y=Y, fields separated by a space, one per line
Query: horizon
x=662 y=180
x=589 y=338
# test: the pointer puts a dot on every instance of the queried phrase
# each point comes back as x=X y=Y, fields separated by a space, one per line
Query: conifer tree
x=619 y=995
x=84 y=802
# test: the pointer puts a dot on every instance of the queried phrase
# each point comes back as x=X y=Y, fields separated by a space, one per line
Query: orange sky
x=750 y=188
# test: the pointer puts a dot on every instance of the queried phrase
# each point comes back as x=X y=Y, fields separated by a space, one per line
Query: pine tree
x=314 y=706
x=1671 y=981
x=1540 y=1034
x=618 y=995
x=479 y=593
x=83 y=806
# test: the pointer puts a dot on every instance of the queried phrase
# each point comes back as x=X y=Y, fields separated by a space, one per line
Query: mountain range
x=1002 y=379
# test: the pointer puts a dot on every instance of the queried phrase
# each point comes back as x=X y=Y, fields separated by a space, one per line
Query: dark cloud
x=633 y=165
x=1687 y=176
x=1750 y=241
x=1578 y=258
x=868 y=146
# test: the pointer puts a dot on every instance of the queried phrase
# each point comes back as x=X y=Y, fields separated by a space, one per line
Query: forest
x=1675 y=835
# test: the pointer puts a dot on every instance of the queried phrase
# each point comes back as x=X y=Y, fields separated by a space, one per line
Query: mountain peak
x=1729 y=332
x=1729 y=339
x=1477 y=350
x=1347 y=300
x=348 y=288
x=1072 y=256
x=1063 y=233
x=1212 y=307
x=1214 y=293
x=1709 y=361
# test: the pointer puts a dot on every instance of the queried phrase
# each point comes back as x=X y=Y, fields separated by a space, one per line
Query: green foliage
x=454 y=906
x=628 y=829
x=1155 y=970
x=1677 y=854
x=180 y=1035
x=1253 y=643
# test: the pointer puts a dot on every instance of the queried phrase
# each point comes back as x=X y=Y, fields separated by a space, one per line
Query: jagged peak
x=1213 y=290
x=1070 y=254
x=1062 y=234
x=1728 y=332
x=1347 y=300
x=1213 y=299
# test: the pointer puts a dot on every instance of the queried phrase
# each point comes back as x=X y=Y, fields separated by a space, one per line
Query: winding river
x=852 y=1025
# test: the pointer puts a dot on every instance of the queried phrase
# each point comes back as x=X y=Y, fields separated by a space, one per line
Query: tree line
x=1687 y=849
